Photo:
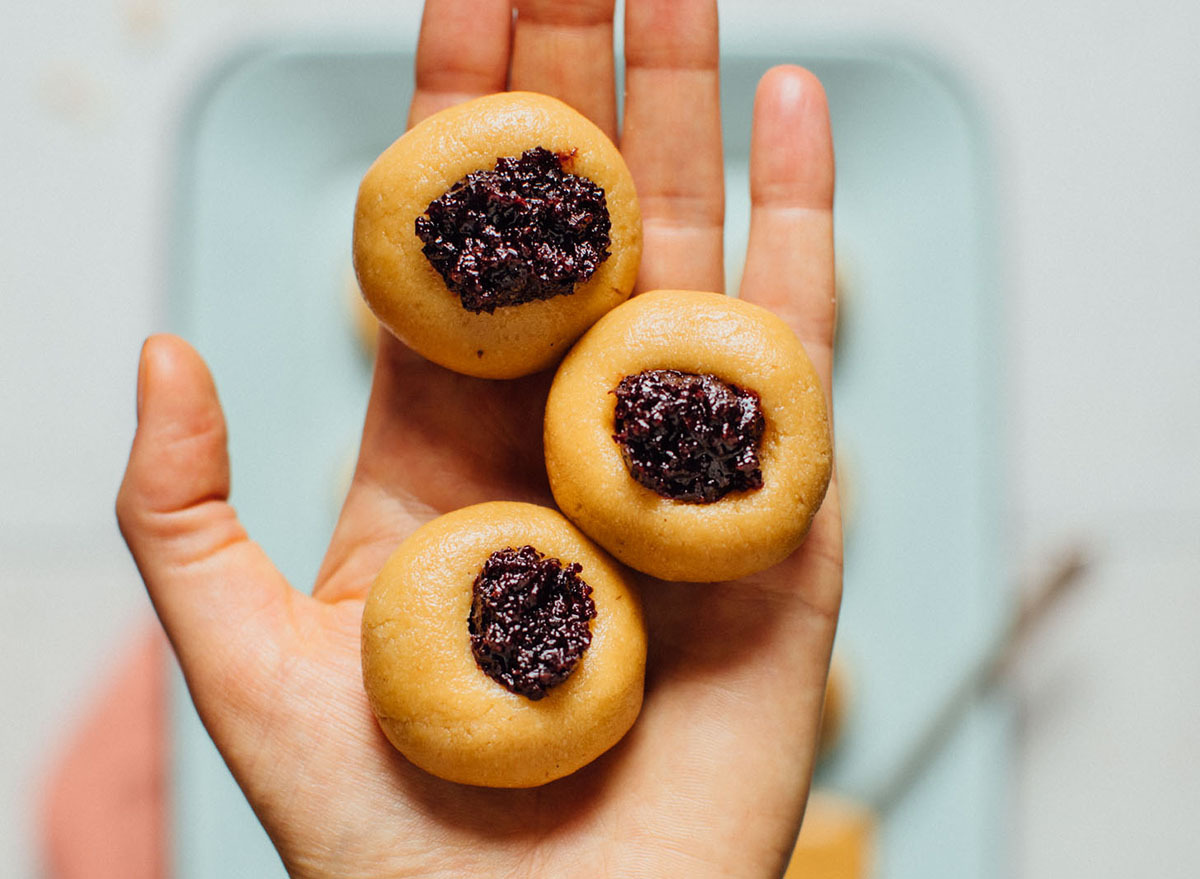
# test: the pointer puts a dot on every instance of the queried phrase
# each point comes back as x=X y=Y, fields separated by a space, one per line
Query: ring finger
x=672 y=140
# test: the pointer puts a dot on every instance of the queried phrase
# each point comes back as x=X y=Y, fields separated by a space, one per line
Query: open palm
x=713 y=777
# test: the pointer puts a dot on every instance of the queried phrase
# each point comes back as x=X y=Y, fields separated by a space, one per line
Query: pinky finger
x=789 y=258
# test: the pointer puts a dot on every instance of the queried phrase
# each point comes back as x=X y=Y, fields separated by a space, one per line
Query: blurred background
x=1075 y=128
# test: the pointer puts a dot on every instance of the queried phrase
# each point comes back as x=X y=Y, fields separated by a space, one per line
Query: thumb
x=224 y=605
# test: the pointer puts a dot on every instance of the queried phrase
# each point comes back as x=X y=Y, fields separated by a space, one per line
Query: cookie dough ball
x=493 y=234
x=501 y=647
x=687 y=434
x=366 y=327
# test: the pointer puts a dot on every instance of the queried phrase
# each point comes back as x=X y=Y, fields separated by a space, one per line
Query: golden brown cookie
x=498 y=720
x=366 y=327
x=696 y=334
x=409 y=295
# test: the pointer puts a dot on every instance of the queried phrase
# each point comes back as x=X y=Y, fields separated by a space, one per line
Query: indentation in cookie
x=529 y=620
x=527 y=230
x=688 y=437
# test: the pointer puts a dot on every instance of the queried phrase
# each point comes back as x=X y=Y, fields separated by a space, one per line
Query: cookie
x=494 y=233
x=365 y=326
x=687 y=434
x=501 y=647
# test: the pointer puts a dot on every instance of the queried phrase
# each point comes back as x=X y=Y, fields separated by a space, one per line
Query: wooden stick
x=988 y=669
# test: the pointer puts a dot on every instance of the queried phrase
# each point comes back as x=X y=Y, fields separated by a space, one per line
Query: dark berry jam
x=524 y=231
x=689 y=437
x=529 y=620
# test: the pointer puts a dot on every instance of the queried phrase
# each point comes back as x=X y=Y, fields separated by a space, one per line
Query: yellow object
x=366 y=327
x=440 y=709
x=407 y=294
x=833 y=714
x=835 y=842
x=700 y=333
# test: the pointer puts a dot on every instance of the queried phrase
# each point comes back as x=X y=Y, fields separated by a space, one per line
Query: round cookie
x=408 y=294
x=702 y=334
x=433 y=699
x=365 y=326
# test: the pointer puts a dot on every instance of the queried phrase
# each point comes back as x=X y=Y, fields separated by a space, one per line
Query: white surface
x=1095 y=121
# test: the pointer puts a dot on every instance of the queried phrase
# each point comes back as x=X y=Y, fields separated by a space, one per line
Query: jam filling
x=688 y=437
x=529 y=620
x=526 y=230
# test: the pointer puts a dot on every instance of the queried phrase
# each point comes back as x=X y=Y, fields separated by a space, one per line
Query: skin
x=713 y=778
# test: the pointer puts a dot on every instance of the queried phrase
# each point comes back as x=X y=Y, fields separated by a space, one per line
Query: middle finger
x=565 y=50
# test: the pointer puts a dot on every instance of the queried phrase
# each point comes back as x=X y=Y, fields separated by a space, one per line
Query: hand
x=713 y=778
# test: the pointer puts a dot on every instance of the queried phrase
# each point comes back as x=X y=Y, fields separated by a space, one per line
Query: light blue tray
x=271 y=157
